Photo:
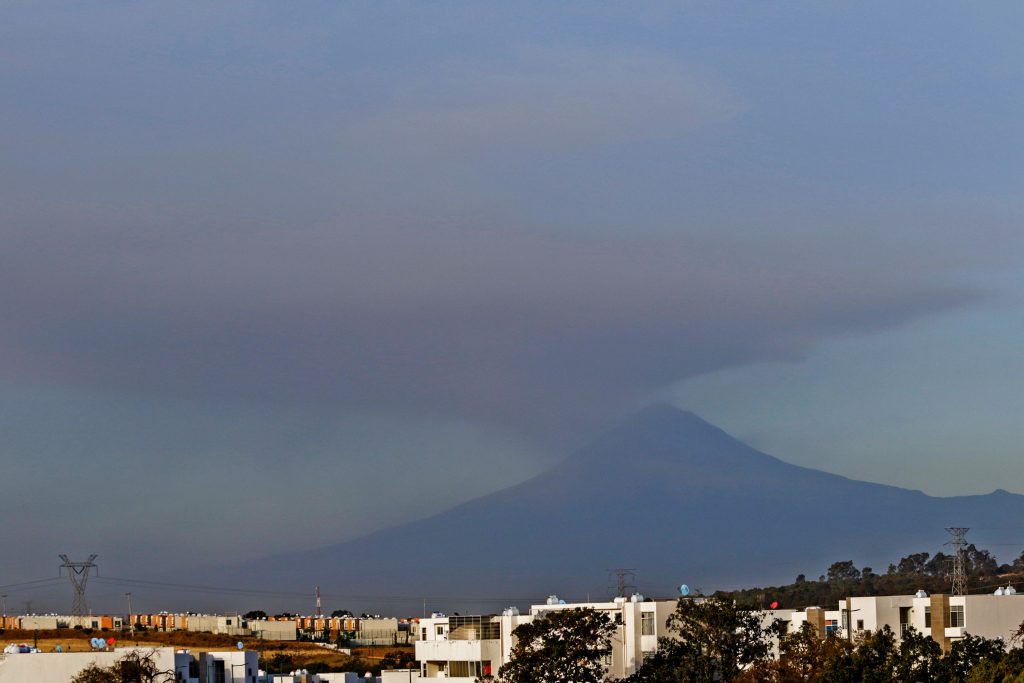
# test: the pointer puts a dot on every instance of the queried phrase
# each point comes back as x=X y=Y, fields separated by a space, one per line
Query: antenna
x=959 y=574
x=319 y=612
x=78 y=574
x=625 y=580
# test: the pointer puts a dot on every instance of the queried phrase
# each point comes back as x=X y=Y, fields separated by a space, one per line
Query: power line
x=53 y=579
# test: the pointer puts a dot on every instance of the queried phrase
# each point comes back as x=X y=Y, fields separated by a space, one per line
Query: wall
x=61 y=667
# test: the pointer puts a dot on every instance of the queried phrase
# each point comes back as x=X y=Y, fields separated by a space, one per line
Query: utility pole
x=78 y=575
x=319 y=611
x=959 y=573
x=131 y=619
x=625 y=579
x=4 y=598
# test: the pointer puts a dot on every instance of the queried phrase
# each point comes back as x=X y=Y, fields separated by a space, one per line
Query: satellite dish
x=561 y=602
x=684 y=590
x=240 y=645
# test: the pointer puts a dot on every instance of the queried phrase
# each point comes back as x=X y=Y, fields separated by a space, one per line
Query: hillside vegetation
x=918 y=571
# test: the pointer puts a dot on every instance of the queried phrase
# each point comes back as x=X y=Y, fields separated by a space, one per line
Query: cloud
x=532 y=237
x=530 y=331
x=545 y=101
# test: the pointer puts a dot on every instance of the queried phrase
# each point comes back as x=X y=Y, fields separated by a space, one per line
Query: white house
x=61 y=667
x=946 y=618
x=232 y=666
x=461 y=648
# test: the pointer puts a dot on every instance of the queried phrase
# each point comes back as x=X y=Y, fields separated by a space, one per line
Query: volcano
x=665 y=494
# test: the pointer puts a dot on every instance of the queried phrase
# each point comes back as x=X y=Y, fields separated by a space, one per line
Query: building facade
x=463 y=648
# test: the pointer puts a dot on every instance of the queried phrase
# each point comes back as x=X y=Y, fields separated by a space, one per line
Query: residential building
x=233 y=666
x=462 y=648
x=61 y=667
x=946 y=618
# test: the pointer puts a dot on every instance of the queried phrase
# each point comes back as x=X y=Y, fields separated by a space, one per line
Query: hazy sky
x=277 y=274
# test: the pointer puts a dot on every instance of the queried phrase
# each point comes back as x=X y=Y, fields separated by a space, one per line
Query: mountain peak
x=663 y=421
x=662 y=435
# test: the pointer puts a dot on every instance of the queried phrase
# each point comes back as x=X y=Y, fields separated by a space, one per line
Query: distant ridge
x=664 y=492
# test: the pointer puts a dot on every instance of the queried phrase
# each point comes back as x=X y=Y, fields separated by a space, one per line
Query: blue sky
x=390 y=256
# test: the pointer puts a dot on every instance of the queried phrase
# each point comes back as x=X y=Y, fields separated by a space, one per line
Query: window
x=439 y=631
x=860 y=624
x=423 y=633
x=956 y=616
x=831 y=626
x=927 y=617
x=647 y=623
x=618 y=617
x=473 y=628
x=464 y=669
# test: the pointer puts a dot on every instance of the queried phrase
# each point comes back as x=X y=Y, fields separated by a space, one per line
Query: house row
x=43 y=622
x=233 y=666
x=945 y=618
x=369 y=631
x=462 y=648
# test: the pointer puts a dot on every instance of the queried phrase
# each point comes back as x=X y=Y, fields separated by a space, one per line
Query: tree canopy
x=563 y=646
x=907 y=575
x=710 y=640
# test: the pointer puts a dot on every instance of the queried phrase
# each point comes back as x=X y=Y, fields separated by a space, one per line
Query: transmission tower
x=78 y=574
x=625 y=579
x=319 y=612
x=959 y=574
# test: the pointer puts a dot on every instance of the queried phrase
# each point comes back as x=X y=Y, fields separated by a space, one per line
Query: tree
x=564 y=646
x=966 y=654
x=918 y=658
x=803 y=656
x=712 y=640
x=341 y=613
x=843 y=571
x=398 y=659
x=912 y=564
x=255 y=614
x=133 y=667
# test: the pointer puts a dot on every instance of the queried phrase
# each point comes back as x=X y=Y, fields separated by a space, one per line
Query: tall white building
x=461 y=648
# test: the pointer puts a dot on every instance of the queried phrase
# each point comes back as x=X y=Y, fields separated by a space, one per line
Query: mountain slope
x=665 y=493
